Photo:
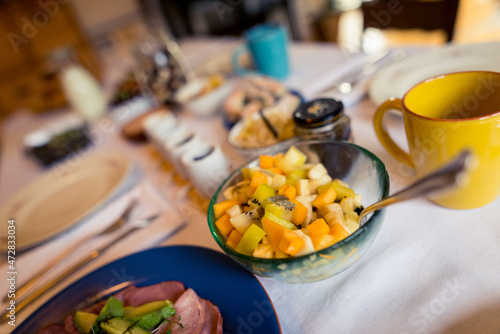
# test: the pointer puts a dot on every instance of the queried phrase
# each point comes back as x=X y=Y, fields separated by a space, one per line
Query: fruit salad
x=286 y=207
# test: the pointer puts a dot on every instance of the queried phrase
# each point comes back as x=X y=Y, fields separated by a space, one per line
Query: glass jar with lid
x=322 y=118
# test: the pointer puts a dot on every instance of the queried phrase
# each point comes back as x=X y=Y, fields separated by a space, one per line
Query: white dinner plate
x=396 y=79
x=62 y=197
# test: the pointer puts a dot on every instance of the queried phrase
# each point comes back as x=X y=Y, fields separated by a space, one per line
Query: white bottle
x=80 y=88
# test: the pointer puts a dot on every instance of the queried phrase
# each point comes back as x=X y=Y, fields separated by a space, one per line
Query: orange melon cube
x=291 y=243
x=257 y=178
x=221 y=207
x=338 y=232
x=224 y=225
x=288 y=190
x=266 y=162
x=234 y=239
x=299 y=213
x=318 y=227
x=323 y=241
x=325 y=198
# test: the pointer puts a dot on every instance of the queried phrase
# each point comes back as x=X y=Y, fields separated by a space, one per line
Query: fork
x=22 y=304
x=110 y=229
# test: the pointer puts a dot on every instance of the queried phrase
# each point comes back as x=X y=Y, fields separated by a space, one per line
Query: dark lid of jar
x=317 y=113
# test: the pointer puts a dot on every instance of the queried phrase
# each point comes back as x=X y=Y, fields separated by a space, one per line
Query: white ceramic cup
x=177 y=145
x=207 y=167
x=159 y=125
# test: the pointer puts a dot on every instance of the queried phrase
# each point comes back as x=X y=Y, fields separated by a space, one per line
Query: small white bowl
x=204 y=105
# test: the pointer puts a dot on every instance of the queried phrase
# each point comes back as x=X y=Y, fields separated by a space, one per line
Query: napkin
x=150 y=202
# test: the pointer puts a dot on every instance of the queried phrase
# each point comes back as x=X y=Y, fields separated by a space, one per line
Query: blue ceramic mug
x=268 y=46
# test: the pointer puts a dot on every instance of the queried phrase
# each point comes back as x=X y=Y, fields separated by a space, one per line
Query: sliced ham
x=69 y=325
x=213 y=318
x=170 y=290
x=189 y=312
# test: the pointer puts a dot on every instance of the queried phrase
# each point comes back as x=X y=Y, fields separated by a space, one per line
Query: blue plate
x=243 y=302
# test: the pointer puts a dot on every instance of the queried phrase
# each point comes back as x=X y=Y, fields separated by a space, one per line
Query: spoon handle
x=449 y=175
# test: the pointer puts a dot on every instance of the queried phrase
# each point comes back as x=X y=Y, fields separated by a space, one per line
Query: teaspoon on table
x=449 y=175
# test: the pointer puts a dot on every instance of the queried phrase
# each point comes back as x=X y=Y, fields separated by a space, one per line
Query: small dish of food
x=267 y=129
x=204 y=96
x=293 y=215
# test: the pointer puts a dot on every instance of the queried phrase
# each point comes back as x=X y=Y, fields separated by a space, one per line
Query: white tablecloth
x=430 y=269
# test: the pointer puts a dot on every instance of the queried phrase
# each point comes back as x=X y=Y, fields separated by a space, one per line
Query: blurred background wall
x=32 y=28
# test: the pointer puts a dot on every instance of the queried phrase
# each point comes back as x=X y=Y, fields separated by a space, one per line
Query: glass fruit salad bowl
x=292 y=215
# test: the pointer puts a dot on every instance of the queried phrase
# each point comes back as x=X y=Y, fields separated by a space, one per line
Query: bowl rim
x=385 y=181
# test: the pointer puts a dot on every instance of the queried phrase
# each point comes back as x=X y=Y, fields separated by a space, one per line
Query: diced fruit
x=274 y=232
x=291 y=243
x=283 y=222
x=287 y=190
x=224 y=225
x=318 y=227
x=333 y=207
x=317 y=171
x=335 y=217
x=325 y=179
x=234 y=210
x=308 y=246
x=264 y=251
x=322 y=241
x=313 y=186
x=243 y=221
x=303 y=188
x=308 y=206
x=221 y=207
x=325 y=198
x=280 y=211
x=234 y=239
x=347 y=205
x=261 y=193
x=269 y=213
x=278 y=181
x=266 y=161
x=258 y=178
x=342 y=189
x=295 y=175
x=357 y=200
x=351 y=222
x=84 y=321
x=338 y=232
x=292 y=159
x=299 y=212
x=250 y=239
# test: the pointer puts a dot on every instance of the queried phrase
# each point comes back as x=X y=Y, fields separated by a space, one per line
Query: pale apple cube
x=347 y=205
x=335 y=217
x=357 y=200
x=303 y=187
x=234 y=211
x=317 y=171
x=278 y=180
x=325 y=179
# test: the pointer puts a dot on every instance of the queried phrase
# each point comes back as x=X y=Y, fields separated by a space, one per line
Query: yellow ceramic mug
x=442 y=116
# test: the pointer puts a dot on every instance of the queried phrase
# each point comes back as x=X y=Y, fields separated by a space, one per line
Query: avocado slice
x=153 y=319
x=121 y=326
x=84 y=321
x=112 y=309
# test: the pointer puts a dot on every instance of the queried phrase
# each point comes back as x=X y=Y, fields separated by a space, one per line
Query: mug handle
x=235 y=61
x=383 y=135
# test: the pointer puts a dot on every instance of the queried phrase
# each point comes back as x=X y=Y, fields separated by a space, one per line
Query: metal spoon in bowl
x=451 y=174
